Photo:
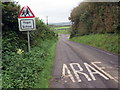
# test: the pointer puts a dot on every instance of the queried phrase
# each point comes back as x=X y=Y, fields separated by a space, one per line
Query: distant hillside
x=61 y=24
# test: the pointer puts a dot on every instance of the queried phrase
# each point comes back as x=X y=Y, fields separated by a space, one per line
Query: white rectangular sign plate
x=26 y=24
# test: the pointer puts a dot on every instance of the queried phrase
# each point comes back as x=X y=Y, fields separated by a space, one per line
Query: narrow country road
x=81 y=66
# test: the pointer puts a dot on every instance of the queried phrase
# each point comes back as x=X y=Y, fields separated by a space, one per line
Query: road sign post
x=26 y=20
x=28 y=34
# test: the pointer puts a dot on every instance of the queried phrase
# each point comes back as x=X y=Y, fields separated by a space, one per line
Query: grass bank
x=108 y=42
x=29 y=70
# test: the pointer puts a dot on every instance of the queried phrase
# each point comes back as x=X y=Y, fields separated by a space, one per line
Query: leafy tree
x=10 y=12
x=94 y=17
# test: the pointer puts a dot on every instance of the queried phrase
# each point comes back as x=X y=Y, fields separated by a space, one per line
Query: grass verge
x=108 y=42
x=45 y=75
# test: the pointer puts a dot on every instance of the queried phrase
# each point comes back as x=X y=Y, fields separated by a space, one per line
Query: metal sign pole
x=28 y=41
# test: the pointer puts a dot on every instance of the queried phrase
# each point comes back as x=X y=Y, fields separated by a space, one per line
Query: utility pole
x=47 y=20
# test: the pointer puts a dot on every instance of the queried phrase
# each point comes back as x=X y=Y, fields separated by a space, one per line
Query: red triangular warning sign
x=26 y=12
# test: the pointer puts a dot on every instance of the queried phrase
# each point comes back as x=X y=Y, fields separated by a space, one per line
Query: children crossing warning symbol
x=26 y=19
x=26 y=13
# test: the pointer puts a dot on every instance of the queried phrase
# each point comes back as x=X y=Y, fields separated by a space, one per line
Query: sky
x=56 y=10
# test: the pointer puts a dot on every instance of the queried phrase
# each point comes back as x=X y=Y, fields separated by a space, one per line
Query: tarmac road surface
x=81 y=66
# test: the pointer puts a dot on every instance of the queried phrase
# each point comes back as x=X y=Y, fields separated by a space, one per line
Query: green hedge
x=23 y=70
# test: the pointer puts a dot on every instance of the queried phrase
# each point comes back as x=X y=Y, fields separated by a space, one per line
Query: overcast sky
x=56 y=10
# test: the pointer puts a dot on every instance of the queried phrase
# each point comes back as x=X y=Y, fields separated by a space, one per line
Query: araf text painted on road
x=68 y=71
x=76 y=72
x=92 y=70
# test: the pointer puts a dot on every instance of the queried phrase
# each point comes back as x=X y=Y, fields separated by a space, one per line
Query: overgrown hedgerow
x=21 y=69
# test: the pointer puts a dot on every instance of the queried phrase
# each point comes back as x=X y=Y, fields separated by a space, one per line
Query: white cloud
x=56 y=10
